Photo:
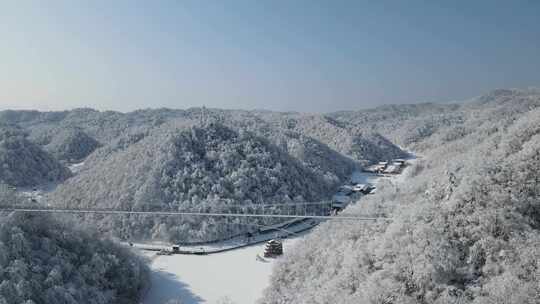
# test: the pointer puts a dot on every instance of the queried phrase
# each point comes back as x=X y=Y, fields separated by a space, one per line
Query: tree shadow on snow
x=167 y=287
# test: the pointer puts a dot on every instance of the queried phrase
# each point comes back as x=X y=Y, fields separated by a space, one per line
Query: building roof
x=391 y=169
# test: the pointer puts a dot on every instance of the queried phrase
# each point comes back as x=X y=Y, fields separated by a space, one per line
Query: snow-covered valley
x=236 y=275
x=460 y=225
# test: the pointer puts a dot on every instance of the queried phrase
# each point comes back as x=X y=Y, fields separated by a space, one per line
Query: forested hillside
x=44 y=261
x=204 y=159
x=363 y=145
x=71 y=145
x=402 y=124
x=102 y=126
x=191 y=168
x=23 y=163
x=50 y=128
x=464 y=227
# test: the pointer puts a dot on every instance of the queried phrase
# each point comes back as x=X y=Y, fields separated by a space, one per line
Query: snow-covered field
x=234 y=275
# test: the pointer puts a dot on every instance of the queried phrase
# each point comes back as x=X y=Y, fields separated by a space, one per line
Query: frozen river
x=236 y=275
x=230 y=277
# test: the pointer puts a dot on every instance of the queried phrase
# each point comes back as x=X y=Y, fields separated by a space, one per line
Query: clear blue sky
x=312 y=56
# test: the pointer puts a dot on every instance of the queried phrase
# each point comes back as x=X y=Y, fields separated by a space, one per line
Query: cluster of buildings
x=346 y=193
x=387 y=167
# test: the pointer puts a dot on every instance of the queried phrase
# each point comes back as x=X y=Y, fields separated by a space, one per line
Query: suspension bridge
x=241 y=214
x=289 y=219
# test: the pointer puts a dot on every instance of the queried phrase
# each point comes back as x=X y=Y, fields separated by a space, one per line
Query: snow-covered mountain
x=464 y=224
x=197 y=158
x=464 y=220
x=192 y=168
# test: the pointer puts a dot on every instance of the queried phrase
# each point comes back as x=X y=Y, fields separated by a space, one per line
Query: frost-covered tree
x=45 y=261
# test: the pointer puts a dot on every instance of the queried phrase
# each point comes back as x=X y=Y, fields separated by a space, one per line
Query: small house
x=363 y=188
x=371 y=169
x=339 y=202
x=360 y=187
x=338 y=206
x=273 y=248
x=345 y=190
x=376 y=168
x=392 y=169
x=164 y=252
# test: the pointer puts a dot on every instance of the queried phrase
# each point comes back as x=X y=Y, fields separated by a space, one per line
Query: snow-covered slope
x=71 y=145
x=193 y=168
x=45 y=261
x=24 y=164
x=361 y=145
x=464 y=229
x=136 y=166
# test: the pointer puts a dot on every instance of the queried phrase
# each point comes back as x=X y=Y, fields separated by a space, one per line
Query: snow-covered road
x=236 y=275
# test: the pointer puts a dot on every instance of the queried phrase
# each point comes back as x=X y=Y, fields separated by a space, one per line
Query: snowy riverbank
x=283 y=230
